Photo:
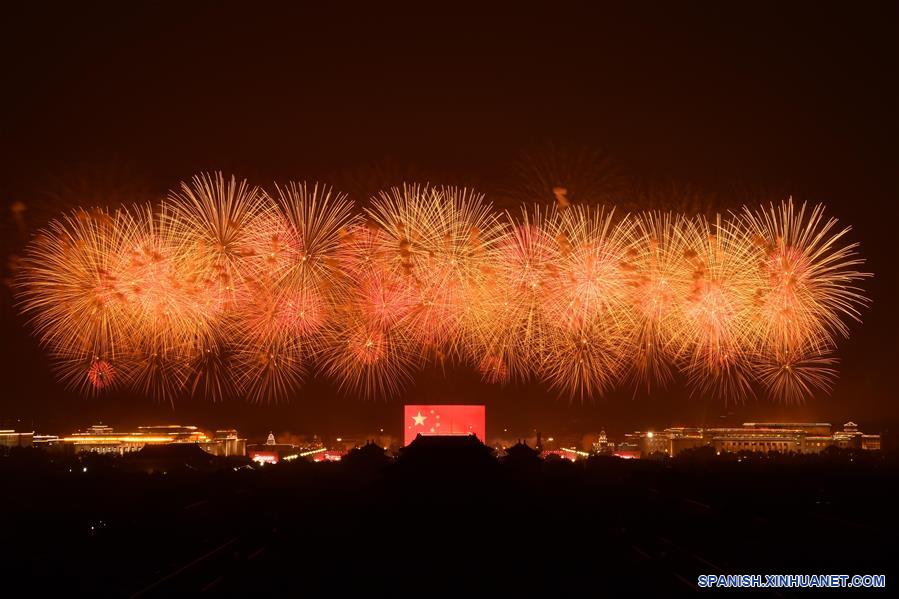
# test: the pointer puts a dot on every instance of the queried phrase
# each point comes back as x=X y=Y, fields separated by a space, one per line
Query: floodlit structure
x=272 y=452
x=783 y=437
x=10 y=438
x=101 y=438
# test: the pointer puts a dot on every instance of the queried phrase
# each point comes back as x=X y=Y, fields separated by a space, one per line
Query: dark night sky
x=752 y=100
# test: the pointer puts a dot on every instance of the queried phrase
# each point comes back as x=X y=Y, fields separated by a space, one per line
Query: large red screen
x=444 y=420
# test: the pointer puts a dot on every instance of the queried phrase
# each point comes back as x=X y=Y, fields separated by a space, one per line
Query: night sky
x=739 y=102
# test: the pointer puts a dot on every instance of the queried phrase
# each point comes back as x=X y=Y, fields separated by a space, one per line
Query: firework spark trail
x=506 y=334
x=225 y=290
x=657 y=283
x=440 y=238
x=585 y=301
x=806 y=286
x=714 y=333
x=291 y=279
x=75 y=298
x=807 y=283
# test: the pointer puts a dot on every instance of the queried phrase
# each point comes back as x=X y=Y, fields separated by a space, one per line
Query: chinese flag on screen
x=444 y=420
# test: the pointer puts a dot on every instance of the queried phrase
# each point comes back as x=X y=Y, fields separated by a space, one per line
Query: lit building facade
x=272 y=452
x=225 y=443
x=101 y=438
x=783 y=437
x=10 y=438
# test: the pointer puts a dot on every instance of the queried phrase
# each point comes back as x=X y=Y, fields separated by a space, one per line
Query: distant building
x=520 y=454
x=602 y=445
x=225 y=443
x=648 y=443
x=851 y=437
x=684 y=438
x=627 y=451
x=566 y=453
x=328 y=455
x=272 y=452
x=101 y=438
x=368 y=456
x=10 y=438
x=783 y=437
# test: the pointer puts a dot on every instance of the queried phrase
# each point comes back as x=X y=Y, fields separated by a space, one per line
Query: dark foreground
x=441 y=522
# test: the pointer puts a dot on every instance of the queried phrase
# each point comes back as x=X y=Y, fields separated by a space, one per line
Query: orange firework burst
x=226 y=290
x=712 y=337
x=793 y=375
x=439 y=240
x=806 y=279
x=75 y=298
x=656 y=287
x=507 y=331
x=366 y=359
x=585 y=301
x=806 y=285
x=211 y=220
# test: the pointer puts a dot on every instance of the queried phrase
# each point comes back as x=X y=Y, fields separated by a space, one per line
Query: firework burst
x=807 y=281
x=653 y=269
x=225 y=290
x=714 y=334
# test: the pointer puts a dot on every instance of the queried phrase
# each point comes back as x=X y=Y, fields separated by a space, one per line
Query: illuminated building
x=176 y=432
x=647 y=443
x=328 y=455
x=757 y=438
x=272 y=452
x=46 y=441
x=9 y=438
x=627 y=451
x=631 y=447
x=682 y=438
x=783 y=437
x=602 y=444
x=566 y=453
x=225 y=443
x=851 y=438
x=810 y=428
x=101 y=438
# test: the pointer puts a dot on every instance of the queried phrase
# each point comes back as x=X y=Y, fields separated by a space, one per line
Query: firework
x=212 y=220
x=795 y=374
x=507 y=333
x=712 y=339
x=438 y=242
x=807 y=281
x=224 y=290
x=657 y=284
x=75 y=298
x=367 y=359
